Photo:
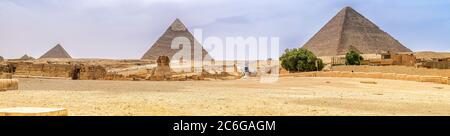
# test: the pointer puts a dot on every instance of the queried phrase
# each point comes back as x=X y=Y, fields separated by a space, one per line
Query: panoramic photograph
x=224 y=58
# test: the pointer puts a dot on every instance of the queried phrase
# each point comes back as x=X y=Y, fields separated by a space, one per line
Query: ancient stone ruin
x=162 y=71
x=88 y=72
x=9 y=84
x=66 y=70
x=349 y=30
x=5 y=75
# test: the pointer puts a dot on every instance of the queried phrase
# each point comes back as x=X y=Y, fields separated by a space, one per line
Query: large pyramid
x=56 y=52
x=349 y=30
x=162 y=46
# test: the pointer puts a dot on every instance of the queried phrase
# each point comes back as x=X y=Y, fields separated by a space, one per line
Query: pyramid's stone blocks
x=33 y=111
x=389 y=76
x=413 y=78
x=163 y=46
x=433 y=79
x=349 y=24
x=9 y=84
x=56 y=52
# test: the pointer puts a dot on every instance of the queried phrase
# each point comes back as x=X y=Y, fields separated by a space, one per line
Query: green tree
x=300 y=60
x=353 y=58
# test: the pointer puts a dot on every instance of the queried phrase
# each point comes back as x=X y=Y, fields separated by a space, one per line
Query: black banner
x=271 y=126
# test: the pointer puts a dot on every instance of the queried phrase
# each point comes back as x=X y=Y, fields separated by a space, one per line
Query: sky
x=126 y=29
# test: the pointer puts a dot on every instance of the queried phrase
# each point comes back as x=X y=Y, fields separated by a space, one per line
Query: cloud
x=127 y=28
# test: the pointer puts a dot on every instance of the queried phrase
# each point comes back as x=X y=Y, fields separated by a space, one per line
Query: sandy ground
x=289 y=96
x=396 y=69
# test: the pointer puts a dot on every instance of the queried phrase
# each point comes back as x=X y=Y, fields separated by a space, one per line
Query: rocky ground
x=288 y=96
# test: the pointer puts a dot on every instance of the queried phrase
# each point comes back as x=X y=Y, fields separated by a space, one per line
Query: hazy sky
x=127 y=28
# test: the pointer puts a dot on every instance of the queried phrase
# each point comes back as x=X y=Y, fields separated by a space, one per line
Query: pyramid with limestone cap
x=163 y=46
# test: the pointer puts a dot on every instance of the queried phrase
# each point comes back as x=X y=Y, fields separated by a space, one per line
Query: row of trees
x=303 y=60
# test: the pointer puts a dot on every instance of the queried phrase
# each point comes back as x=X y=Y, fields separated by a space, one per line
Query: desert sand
x=396 y=69
x=290 y=96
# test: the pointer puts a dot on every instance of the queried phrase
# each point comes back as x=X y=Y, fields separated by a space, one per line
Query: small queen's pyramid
x=56 y=52
x=26 y=57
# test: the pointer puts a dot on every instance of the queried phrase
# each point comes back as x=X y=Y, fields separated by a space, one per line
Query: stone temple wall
x=9 y=84
x=45 y=70
x=92 y=72
x=83 y=72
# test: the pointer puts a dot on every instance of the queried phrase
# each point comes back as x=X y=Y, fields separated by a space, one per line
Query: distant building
x=403 y=59
x=438 y=63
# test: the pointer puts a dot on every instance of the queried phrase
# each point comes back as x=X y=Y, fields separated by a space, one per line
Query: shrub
x=300 y=60
x=353 y=58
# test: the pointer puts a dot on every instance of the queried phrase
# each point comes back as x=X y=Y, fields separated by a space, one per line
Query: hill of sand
x=289 y=96
x=430 y=54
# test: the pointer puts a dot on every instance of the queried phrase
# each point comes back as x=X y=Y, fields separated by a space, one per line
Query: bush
x=353 y=58
x=300 y=60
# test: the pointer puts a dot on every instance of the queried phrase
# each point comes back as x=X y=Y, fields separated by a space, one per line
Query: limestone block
x=389 y=76
x=445 y=80
x=375 y=75
x=320 y=74
x=413 y=78
x=14 y=84
x=401 y=77
x=3 y=85
x=33 y=111
x=306 y=74
x=334 y=73
x=5 y=75
x=433 y=79
x=325 y=74
x=360 y=75
x=345 y=74
x=312 y=74
x=9 y=84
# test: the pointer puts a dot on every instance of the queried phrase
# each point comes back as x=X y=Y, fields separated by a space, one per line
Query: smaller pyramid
x=56 y=52
x=26 y=57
